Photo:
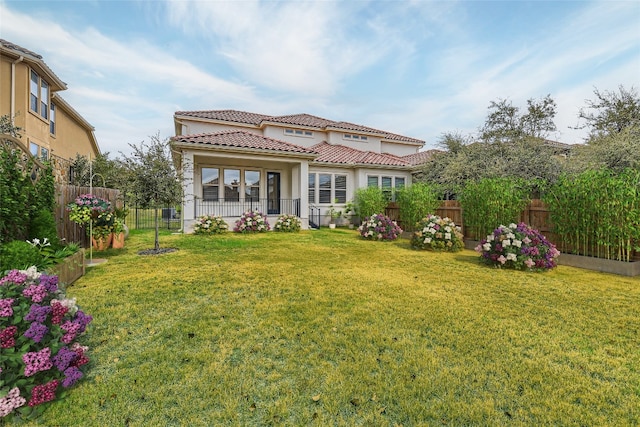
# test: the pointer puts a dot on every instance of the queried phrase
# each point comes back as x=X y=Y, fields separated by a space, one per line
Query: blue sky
x=418 y=68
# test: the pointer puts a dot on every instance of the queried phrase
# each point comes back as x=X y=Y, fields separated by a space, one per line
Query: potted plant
x=350 y=213
x=334 y=214
x=101 y=237
x=118 y=234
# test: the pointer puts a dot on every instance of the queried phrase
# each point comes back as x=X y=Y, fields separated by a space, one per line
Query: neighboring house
x=233 y=161
x=30 y=95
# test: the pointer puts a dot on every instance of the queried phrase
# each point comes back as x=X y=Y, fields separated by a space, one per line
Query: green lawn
x=322 y=328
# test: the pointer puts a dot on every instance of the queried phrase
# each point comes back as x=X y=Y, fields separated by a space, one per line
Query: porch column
x=304 y=193
x=188 y=205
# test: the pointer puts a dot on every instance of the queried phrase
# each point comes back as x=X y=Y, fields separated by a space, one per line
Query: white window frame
x=314 y=191
x=298 y=132
x=354 y=137
x=242 y=187
x=41 y=105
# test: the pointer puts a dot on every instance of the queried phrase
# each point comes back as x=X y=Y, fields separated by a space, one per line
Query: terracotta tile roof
x=340 y=154
x=420 y=158
x=306 y=120
x=226 y=116
x=242 y=139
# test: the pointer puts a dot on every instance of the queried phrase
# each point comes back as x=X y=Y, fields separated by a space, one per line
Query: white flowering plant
x=288 y=224
x=40 y=356
x=519 y=247
x=252 y=222
x=379 y=227
x=438 y=234
x=208 y=224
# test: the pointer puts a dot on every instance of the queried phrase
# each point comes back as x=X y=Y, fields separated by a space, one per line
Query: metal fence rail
x=138 y=218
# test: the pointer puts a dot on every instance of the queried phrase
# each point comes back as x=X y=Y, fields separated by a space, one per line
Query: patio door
x=273 y=193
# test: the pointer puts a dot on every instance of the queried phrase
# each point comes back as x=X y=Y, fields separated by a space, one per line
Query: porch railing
x=314 y=216
x=236 y=207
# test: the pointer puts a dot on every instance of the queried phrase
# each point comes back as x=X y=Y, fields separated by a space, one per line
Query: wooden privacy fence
x=65 y=194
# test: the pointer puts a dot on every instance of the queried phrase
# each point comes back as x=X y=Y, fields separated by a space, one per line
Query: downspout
x=13 y=87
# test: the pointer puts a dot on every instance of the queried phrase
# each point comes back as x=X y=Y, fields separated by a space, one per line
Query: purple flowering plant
x=252 y=222
x=379 y=227
x=40 y=356
x=438 y=234
x=519 y=247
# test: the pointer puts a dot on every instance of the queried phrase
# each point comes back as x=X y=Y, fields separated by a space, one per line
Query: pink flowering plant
x=40 y=356
x=438 y=234
x=379 y=227
x=519 y=247
x=288 y=224
x=252 y=222
x=209 y=224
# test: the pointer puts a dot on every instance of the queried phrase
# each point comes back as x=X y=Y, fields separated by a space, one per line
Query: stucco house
x=299 y=164
x=30 y=95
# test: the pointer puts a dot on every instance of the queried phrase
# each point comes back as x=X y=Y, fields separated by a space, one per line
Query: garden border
x=620 y=268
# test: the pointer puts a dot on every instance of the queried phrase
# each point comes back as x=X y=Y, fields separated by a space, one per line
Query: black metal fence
x=168 y=218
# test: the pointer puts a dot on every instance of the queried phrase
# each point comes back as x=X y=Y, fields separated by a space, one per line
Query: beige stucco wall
x=398 y=149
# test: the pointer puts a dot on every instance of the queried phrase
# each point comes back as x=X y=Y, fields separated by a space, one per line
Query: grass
x=322 y=328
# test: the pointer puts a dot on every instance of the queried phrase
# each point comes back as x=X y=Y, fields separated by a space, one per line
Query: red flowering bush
x=379 y=227
x=39 y=352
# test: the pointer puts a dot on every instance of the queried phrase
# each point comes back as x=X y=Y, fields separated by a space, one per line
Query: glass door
x=273 y=193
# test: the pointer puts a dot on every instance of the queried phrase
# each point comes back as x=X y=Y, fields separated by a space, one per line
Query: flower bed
x=439 y=234
x=288 y=224
x=209 y=224
x=252 y=222
x=519 y=247
x=379 y=227
x=40 y=355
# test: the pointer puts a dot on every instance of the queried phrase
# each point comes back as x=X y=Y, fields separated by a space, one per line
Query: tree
x=151 y=179
x=615 y=151
x=505 y=123
x=610 y=112
x=7 y=127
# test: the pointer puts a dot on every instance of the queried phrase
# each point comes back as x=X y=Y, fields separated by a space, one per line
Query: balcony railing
x=235 y=208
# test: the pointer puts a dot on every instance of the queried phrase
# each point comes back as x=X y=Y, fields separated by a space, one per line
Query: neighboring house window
x=328 y=187
x=298 y=132
x=34 y=89
x=39 y=95
x=211 y=184
x=232 y=185
x=52 y=119
x=252 y=185
x=44 y=154
x=33 y=148
x=312 y=188
x=340 y=188
x=44 y=99
x=354 y=137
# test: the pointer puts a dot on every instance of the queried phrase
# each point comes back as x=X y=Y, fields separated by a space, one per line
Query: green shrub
x=369 y=201
x=416 y=202
x=18 y=255
x=597 y=213
x=43 y=224
x=490 y=202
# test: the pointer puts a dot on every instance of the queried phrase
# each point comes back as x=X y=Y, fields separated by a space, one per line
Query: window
x=44 y=154
x=312 y=188
x=298 y=132
x=44 y=99
x=211 y=184
x=232 y=185
x=39 y=95
x=372 y=181
x=52 y=119
x=329 y=188
x=34 y=90
x=252 y=185
x=340 y=188
x=325 y=188
x=354 y=137
x=399 y=182
x=387 y=186
x=33 y=148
